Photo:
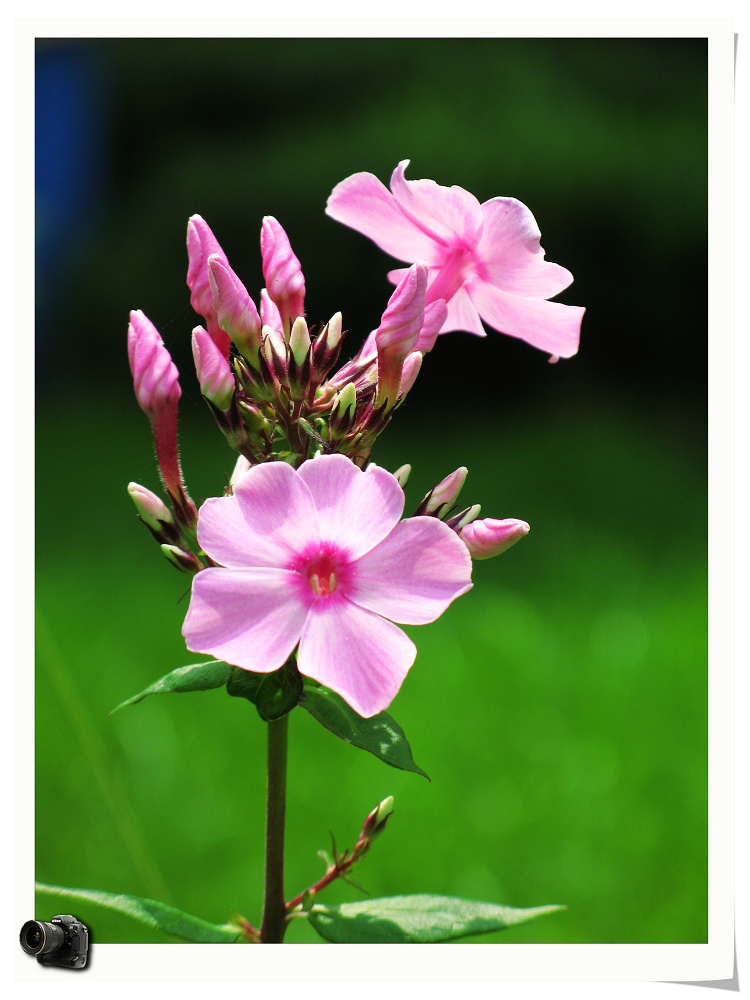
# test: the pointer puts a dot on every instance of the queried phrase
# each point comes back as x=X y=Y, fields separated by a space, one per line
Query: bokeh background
x=560 y=707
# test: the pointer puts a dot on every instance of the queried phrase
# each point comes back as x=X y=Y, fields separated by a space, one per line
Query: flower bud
x=202 y=244
x=435 y=315
x=399 y=331
x=235 y=310
x=464 y=517
x=376 y=821
x=269 y=314
x=402 y=475
x=282 y=272
x=151 y=509
x=490 y=537
x=213 y=371
x=181 y=559
x=409 y=373
x=155 y=377
x=299 y=340
x=326 y=349
x=442 y=497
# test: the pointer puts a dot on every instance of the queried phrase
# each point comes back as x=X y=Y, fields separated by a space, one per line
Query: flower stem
x=274 y=910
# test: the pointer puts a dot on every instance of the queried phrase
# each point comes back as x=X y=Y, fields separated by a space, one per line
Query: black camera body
x=62 y=941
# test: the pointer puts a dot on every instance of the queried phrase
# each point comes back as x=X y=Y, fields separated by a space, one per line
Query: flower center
x=321 y=575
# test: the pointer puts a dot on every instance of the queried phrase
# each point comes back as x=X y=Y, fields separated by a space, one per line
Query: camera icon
x=62 y=941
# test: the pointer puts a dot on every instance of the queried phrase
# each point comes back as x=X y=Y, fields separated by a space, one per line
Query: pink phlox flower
x=317 y=557
x=485 y=260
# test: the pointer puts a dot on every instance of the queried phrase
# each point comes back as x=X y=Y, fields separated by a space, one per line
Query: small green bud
x=402 y=474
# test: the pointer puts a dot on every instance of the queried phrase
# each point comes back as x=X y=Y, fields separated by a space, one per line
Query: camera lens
x=40 y=938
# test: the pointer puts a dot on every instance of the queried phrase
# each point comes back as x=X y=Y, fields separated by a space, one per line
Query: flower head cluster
x=306 y=550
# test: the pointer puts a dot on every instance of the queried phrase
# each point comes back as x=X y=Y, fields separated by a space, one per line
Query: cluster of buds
x=265 y=373
x=267 y=378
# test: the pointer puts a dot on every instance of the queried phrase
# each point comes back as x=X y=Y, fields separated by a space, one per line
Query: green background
x=560 y=706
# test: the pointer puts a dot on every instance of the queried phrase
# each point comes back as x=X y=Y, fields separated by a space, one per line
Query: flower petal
x=510 y=253
x=364 y=204
x=269 y=519
x=359 y=655
x=251 y=618
x=450 y=214
x=550 y=326
x=463 y=315
x=414 y=574
x=355 y=509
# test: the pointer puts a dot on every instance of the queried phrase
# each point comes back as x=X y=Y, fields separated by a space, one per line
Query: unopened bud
x=235 y=310
x=202 y=244
x=213 y=371
x=398 y=332
x=411 y=369
x=151 y=509
x=299 y=340
x=269 y=314
x=435 y=315
x=282 y=272
x=376 y=821
x=444 y=495
x=402 y=475
x=181 y=559
x=155 y=377
x=490 y=537
x=464 y=517
x=345 y=403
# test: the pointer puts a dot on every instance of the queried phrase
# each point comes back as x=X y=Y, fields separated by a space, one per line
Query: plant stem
x=274 y=910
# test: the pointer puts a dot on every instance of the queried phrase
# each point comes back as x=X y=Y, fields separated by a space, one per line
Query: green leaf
x=274 y=694
x=194 y=677
x=421 y=919
x=151 y=913
x=381 y=735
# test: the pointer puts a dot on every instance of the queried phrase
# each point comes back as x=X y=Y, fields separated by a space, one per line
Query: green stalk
x=274 y=910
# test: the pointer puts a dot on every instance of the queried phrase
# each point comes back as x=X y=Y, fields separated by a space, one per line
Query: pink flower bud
x=435 y=315
x=151 y=508
x=490 y=537
x=409 y=373
x=202 y=244
x=444 y=495
x=213 y=371
x=399 y=331
x=282 y=272
x=240 y=468
x=235 y=310
x=155 y=377
x=269 y=314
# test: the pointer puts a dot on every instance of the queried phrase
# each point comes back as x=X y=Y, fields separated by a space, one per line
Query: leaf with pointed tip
x=380 y=735
x=149 y=912
x=419 y=919
x=194 y=677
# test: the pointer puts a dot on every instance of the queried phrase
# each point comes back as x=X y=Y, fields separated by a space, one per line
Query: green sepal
x=274 y=695
x=380 y=735
x=149 y=912
x=194 y=677
x=419 y=919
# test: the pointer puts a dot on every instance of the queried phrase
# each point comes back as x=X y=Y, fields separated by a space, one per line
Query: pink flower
x=484 y=260
x=318 y=557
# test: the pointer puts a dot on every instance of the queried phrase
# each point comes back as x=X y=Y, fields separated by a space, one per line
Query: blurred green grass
x=559 y=707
